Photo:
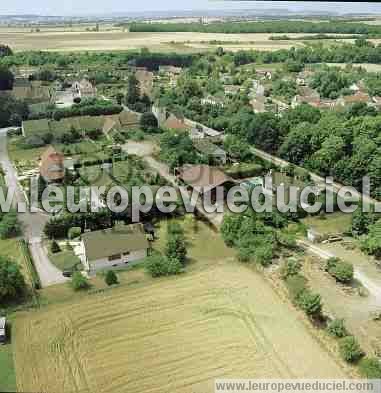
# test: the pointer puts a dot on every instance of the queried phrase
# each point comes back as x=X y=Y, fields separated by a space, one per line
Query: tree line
x=332 y=27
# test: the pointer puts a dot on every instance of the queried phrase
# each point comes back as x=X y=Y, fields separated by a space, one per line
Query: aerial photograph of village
x=190 y=196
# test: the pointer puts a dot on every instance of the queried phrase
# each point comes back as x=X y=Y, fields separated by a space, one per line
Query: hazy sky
x=73 y=7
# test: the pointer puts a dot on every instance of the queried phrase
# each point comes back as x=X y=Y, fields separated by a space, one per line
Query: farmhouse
x=52 y=167
x=118 y=246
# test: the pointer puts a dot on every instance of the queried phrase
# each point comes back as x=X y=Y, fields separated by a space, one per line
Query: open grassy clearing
x=220 y=319
x=119 y=40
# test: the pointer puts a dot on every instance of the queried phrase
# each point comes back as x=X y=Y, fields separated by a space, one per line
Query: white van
x=2 y=330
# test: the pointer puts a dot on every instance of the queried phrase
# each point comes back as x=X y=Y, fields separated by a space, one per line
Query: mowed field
x=171 y=335
x=53 y=40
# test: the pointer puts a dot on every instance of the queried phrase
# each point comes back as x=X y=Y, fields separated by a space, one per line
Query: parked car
x=3 y=335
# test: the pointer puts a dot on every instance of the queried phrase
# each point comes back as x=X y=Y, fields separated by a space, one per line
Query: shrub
x=342 y=271
x=79 y=282
x=337 y=328
x=350 y=349
x=309 y=302
x=159 y=265
x=370 y=368
x=291 y=268
x=74 y=232
x=54 y=247
x=111 y=278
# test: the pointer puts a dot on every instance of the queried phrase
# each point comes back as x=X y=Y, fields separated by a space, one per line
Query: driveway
x=32 y=223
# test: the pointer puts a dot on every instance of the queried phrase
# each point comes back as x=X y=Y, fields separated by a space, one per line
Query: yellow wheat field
x=172 y=335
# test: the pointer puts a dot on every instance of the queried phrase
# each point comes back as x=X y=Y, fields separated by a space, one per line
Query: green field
x=7 y=370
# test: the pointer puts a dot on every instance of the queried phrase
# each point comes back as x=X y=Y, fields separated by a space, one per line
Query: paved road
x=320 y=181
x=370 y=284
x=32 y=223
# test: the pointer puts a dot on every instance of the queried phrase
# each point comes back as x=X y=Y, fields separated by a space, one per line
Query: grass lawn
x=332 y=223
x=7 y=370
x=64 y=260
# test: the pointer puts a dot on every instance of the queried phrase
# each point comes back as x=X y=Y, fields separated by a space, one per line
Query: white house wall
x=104 y=263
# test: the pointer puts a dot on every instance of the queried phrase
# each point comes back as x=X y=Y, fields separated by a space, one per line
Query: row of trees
x=284 y=26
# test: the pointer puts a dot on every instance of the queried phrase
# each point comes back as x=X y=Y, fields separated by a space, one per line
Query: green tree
x=6 y=79
x=148 y=122
x=12 y=283
x=133 y=91
x=111 y=278
x=310 y=303
x=158 y=265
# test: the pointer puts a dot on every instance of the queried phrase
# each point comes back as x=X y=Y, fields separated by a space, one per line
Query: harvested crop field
x=119 y=40
x=169 y=335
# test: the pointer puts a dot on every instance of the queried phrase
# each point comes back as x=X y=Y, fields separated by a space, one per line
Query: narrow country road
x=370 y=284
x=316 y=178
x=32 y=223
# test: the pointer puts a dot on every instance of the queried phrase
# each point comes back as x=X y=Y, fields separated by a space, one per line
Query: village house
x=204 y=179
x=215 y=154
x=83 y=89
x=119 y=246
x=306 y=96
x=52 y=167
x=200 y=131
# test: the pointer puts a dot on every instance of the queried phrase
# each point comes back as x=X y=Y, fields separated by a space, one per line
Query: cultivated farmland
x=51 y=40
x=169 y=335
